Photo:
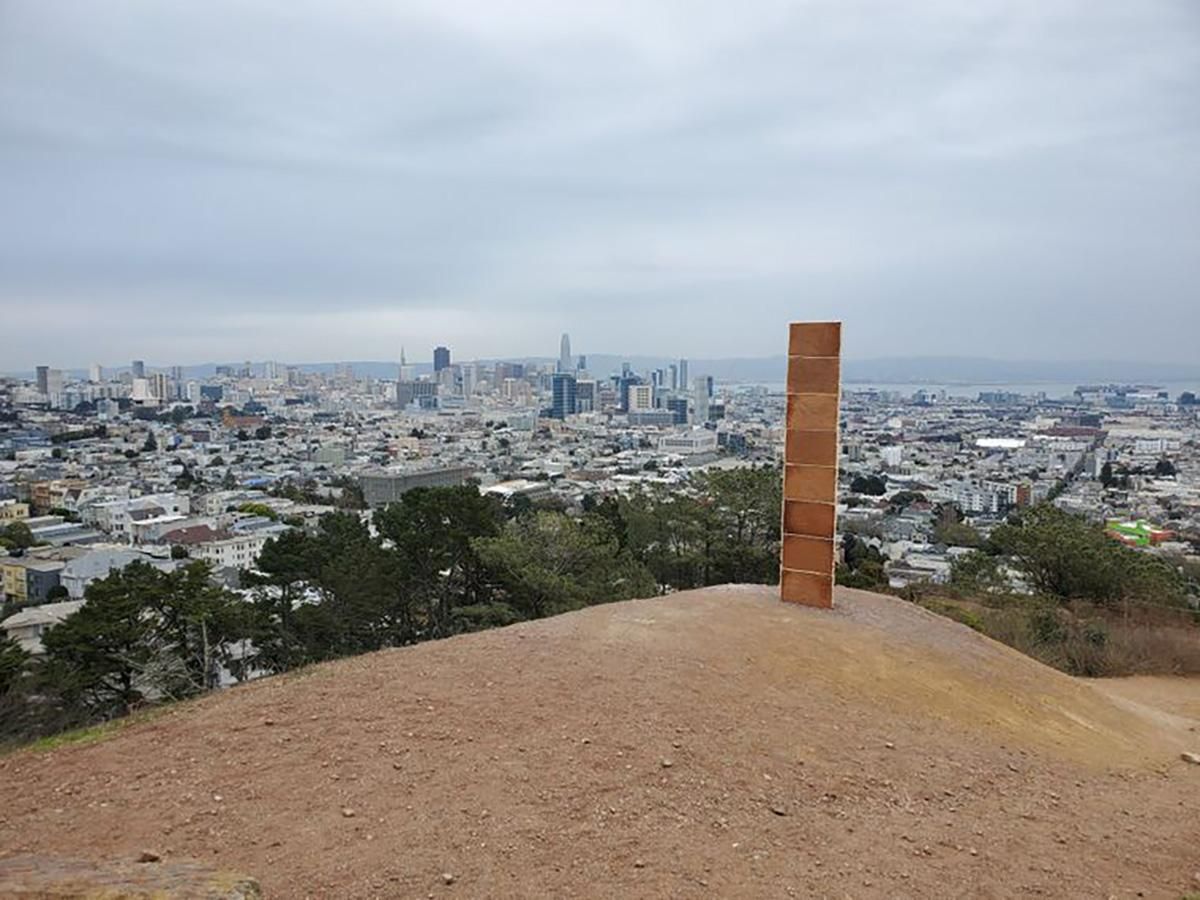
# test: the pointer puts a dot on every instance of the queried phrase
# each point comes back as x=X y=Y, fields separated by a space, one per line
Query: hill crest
x=709 y=742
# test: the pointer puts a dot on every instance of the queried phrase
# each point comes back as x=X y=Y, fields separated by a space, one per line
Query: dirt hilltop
x=712 y=743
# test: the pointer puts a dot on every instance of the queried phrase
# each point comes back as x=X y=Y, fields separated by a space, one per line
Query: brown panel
x=818 y=375
x=806 y=588
x=817 y=483
x=812 y=448
x=804 y=517
x=817 y=412
x=815 y=339
x=808 y=554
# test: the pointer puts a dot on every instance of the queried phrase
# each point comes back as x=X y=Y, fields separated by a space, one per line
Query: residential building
x=27 y=626
x=28 y=579
x=13 y=510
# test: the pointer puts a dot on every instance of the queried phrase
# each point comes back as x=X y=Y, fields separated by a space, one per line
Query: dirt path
x=713 y=743
x=1175 y=696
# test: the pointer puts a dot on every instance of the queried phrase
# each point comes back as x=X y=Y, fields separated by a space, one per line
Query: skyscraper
x=441 y=358
x=96 y=373
x=683 y=375
x=679 y=409
x=562 y=392
x=564 y=354
x=624 y=385
x=700 y=399
x=585 y=395
x=139 y=368
x=641 y=398
x=43 y=379
x=407 y=372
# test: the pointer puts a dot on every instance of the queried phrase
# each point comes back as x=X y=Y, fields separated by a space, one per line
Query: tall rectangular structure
x=810 y=467
x=562 y=395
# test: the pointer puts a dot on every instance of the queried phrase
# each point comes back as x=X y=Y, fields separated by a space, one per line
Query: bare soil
x=713 y=743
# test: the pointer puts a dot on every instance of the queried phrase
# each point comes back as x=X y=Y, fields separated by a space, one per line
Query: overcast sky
x=185 y=182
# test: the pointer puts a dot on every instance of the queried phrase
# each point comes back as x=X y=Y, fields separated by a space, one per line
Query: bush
x=1068 y=558
x=1084 y=639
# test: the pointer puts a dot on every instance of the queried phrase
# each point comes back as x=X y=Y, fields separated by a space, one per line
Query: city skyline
x=1018 y=182
x=894 y=370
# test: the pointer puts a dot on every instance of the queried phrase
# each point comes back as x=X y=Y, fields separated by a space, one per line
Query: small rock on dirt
x=349 y=813
x=1193 y=758
x=148 y=856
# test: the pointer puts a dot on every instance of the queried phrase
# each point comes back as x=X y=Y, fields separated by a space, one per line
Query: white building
x=697 y=440
x=641 y=397
x=28 y=626
x=239 y=551
x=117 y=516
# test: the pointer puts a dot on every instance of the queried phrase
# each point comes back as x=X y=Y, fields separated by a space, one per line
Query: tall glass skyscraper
x=562 y=388
x=564 y=354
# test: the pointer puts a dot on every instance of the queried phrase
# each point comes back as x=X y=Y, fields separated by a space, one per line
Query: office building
x=689 y=443
x=54 y=384
x=43 y=379
x=138 y=369
x=160 y=386
x=585 y=395
x=562 y=391
x=700 y=399
x=641 y=398
x=388 y=486
x=441 y=358
x=624 y=385
x=423 y=393
x=564 y=354
x=683 y=374
x=678 y=407
x=470 y=379
x=95 y=373
x=407 y=372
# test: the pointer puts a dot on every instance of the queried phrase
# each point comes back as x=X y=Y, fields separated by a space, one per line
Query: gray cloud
x=309 y=180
